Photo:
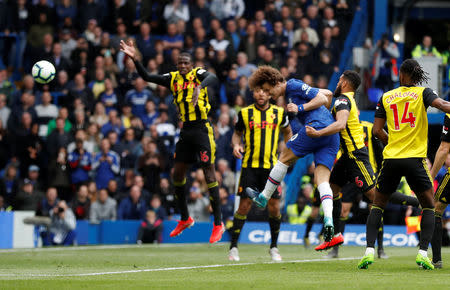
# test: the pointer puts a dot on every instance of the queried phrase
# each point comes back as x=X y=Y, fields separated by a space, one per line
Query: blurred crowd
x=102 y=139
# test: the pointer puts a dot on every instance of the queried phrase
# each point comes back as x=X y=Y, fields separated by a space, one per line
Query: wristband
x=300 y=108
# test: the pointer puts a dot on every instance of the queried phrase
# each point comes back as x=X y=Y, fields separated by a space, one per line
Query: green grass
x=398 y=272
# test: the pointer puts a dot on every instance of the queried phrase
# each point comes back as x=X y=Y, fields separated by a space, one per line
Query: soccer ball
x=43 y=72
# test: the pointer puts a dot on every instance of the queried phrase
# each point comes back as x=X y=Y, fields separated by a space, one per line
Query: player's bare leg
x=436 y=241
x=213 y=188
x=179 y=181
x=287 y=157
x=274 y=223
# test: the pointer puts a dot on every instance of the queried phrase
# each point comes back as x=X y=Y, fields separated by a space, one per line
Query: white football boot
x=233 y=254
x=275 y=255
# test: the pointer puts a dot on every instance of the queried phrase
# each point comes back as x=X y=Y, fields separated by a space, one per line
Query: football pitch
x=202 y=266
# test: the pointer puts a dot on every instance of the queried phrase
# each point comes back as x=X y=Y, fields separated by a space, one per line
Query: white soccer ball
x=43 y=72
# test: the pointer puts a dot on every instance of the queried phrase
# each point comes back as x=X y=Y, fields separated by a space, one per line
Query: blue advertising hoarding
x=125 y=232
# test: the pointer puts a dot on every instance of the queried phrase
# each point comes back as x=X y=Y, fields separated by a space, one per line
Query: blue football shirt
x=300 y=93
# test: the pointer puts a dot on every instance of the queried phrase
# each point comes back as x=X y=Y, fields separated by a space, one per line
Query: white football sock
x=326 y=197
x=369 y=251
x=275 y=177
x=423 y=253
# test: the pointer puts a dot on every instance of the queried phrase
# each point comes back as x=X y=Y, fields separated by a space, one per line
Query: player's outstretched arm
x=378 y=130
x=439 y=159
x=441 y=104
x=130 y=50
x=333 y=128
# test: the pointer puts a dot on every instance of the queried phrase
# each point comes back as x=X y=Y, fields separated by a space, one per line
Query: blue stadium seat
x=374 y=94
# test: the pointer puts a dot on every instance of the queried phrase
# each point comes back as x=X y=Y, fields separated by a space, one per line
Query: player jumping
x=309 y=103
x=260 y=125
x=189 y=88
x=404 y=110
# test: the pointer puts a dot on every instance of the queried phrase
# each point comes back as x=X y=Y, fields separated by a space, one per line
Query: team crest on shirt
x=272 y=117
x=444 y=130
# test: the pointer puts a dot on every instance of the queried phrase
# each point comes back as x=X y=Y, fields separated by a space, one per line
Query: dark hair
x=415 y=72
x=186 y=54
x=353 y=78
x=265 y=74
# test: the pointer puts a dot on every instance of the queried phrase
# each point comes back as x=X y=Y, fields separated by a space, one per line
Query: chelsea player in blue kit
x=311 y=106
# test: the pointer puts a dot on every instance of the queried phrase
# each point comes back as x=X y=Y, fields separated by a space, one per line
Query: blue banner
x=6 y=230
x=125 y=232
x=355 y=235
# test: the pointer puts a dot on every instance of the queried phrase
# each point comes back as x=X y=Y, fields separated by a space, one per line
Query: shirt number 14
x=407 y=117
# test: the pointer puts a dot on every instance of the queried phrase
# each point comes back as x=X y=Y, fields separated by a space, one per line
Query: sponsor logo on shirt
x=262 y=125
x=340 y=102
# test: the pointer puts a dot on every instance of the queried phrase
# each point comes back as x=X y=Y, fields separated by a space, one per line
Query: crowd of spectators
x=101 y=138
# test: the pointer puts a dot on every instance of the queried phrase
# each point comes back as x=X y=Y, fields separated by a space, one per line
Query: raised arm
x=206 y=78
x=130 y=50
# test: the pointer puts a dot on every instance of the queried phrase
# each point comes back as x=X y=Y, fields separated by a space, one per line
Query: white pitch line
x=171 y=268
x=90 y=247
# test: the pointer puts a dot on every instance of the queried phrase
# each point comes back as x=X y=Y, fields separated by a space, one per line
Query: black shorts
x=196 y=143
x=354 y=167
x=415 y=171
x=255 y=178
x=445 y=136
x=443 y=190
x=350 y=192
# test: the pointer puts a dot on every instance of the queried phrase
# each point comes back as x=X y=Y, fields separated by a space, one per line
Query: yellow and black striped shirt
x=182 y=88
x=352 y=137
x=374 y=146
x=261 y=130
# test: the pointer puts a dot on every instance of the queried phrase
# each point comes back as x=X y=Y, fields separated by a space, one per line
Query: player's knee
x=274 y=209
x=427 y=203
x=345 y=212
x=314 y=212
x=287 y=157
x=210 y=173
x=426 y=199
x=370 y=194
x=244 y=206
